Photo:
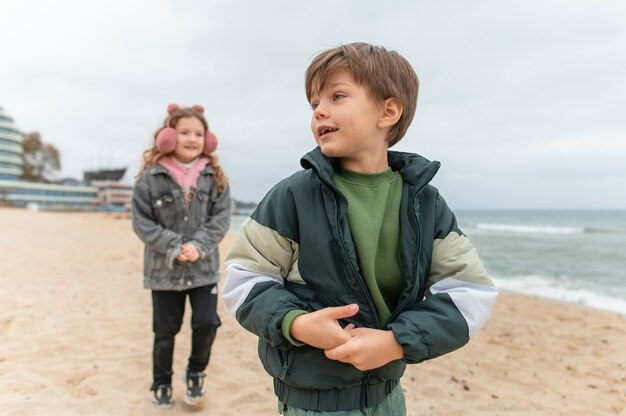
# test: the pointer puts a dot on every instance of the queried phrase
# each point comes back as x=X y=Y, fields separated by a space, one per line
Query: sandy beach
x=76 y=339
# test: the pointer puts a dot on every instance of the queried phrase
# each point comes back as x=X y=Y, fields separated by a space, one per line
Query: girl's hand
x=190 y=252
x=182 y=257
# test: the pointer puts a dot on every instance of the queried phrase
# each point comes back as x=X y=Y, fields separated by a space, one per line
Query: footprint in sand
x=5 y=323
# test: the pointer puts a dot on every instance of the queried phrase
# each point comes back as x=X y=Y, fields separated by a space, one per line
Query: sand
x=75 y=339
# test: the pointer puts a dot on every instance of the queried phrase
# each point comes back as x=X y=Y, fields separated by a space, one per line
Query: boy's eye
x=338 y=96
x=314 y=105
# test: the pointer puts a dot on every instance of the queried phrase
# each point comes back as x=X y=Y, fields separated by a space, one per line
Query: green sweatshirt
x=373 y=215
x=374 y=218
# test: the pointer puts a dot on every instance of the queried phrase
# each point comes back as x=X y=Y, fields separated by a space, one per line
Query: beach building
x=22 y=194
x=18 y=193
x=114 y=196
x=11 y=163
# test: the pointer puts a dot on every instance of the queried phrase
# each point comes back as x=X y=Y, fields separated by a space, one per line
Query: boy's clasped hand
x=364 y=348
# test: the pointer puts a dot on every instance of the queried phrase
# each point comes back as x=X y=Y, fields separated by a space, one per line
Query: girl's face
x=190 y=142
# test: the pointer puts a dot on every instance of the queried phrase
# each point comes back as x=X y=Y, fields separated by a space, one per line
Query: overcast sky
x=523 y=102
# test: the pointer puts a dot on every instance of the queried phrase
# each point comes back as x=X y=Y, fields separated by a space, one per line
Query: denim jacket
x=163 y=221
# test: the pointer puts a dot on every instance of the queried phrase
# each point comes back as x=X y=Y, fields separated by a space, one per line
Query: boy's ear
x=391 y=111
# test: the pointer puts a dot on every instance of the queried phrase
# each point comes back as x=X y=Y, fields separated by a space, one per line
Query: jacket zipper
x=401 y=306
x=366 y=376
x=354 y=270
x=365 y=399
x=283 y=373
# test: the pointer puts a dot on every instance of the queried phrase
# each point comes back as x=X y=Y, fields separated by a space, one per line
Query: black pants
x=168 y=308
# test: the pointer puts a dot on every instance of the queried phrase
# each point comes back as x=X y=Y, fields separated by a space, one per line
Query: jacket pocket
x=275 y=361
x=164 y=208
x=205 y=203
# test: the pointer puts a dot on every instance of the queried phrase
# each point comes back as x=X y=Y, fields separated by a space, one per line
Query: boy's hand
x=321 y=328
x=367 y=349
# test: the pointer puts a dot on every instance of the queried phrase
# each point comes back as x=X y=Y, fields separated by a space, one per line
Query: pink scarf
x=186 y=178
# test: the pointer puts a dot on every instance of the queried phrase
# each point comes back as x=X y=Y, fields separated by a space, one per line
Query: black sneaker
x=195 y=387
x=163 y=396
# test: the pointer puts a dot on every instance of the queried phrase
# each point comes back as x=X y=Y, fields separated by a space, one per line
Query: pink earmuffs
x=166 y=138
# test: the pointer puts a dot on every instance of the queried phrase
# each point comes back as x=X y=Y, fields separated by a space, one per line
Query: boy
x=354 y=267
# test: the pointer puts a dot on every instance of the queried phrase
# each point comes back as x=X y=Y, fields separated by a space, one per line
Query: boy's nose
x=320 y=111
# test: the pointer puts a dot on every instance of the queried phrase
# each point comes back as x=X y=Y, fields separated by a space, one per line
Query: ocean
x=571 y=256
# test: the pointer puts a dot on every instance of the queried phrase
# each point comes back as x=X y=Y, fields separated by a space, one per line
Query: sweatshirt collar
x=158 y=169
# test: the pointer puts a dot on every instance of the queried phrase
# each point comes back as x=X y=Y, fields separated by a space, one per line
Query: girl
x=181 y=211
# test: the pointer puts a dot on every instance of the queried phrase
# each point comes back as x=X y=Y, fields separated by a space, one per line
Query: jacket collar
x=415 y=169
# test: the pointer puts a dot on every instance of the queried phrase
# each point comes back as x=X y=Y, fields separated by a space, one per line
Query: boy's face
x=345 y=120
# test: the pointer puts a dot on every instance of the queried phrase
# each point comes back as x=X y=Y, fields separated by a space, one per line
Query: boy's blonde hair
x=385 y=74
x=152 y=155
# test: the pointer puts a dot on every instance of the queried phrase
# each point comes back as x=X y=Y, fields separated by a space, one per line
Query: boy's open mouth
x=324 y=130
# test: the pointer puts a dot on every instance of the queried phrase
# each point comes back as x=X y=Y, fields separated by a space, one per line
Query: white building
x=113 y=195
x=18 y=193
x=11 y=164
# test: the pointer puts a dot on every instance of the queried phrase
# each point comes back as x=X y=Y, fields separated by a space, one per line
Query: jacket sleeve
x=458 y=300
x=209 y=234
x=257 y=265
x=145 y=225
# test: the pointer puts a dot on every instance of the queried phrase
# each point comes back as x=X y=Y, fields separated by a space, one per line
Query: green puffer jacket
x=296 y=252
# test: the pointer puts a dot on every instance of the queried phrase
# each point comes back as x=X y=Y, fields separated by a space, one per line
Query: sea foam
x=568 y=292
x=529 y=229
